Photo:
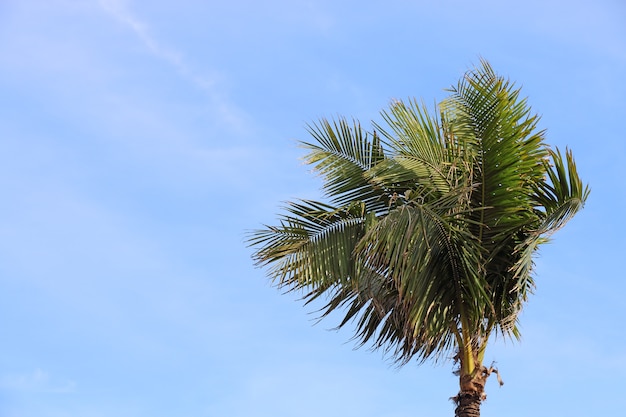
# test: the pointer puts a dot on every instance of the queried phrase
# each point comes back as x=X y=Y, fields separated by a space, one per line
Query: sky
x=141 y=140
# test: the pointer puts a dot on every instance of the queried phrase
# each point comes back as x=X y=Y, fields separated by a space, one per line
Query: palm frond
x=343 y=155
x=557 y=198
x=312 y=246
x=422 y=153
x=509 y=150
x=563 y=194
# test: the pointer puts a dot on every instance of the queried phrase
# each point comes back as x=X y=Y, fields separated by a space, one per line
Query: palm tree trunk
x=468 y=404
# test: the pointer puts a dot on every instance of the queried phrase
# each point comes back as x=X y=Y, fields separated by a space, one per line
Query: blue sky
x=140 y=140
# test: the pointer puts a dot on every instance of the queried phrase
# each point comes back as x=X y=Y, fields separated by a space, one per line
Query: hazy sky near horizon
x=140 y=140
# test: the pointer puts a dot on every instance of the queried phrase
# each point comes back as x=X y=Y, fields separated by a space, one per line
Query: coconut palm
x=426 y=237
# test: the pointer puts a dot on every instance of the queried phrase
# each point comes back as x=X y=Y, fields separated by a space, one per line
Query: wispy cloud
x=36 y=381
x=225 y=110
x=119 y=9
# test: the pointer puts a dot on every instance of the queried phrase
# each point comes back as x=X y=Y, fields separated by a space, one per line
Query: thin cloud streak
x=225 y=111
x=119 y=10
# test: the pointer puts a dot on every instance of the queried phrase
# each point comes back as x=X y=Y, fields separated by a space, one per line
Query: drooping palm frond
x=312 y=245
x=428 y=259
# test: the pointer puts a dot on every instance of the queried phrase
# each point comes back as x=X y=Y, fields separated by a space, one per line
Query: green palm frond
x=343 y=155
x=509 y=151
x=422 y=153
x=557 y=199
x=312 y=245
x=563 y=195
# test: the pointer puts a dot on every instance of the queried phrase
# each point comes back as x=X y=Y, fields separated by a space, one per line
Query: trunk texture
x=468 y=404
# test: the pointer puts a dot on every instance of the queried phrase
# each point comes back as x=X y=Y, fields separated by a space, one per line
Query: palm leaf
x=312 y=245
x=343 y=156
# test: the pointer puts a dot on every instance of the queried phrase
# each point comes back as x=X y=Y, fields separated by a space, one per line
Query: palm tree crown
x=426 y=239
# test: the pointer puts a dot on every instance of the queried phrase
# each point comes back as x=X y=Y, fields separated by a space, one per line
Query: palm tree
x=425 y=242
